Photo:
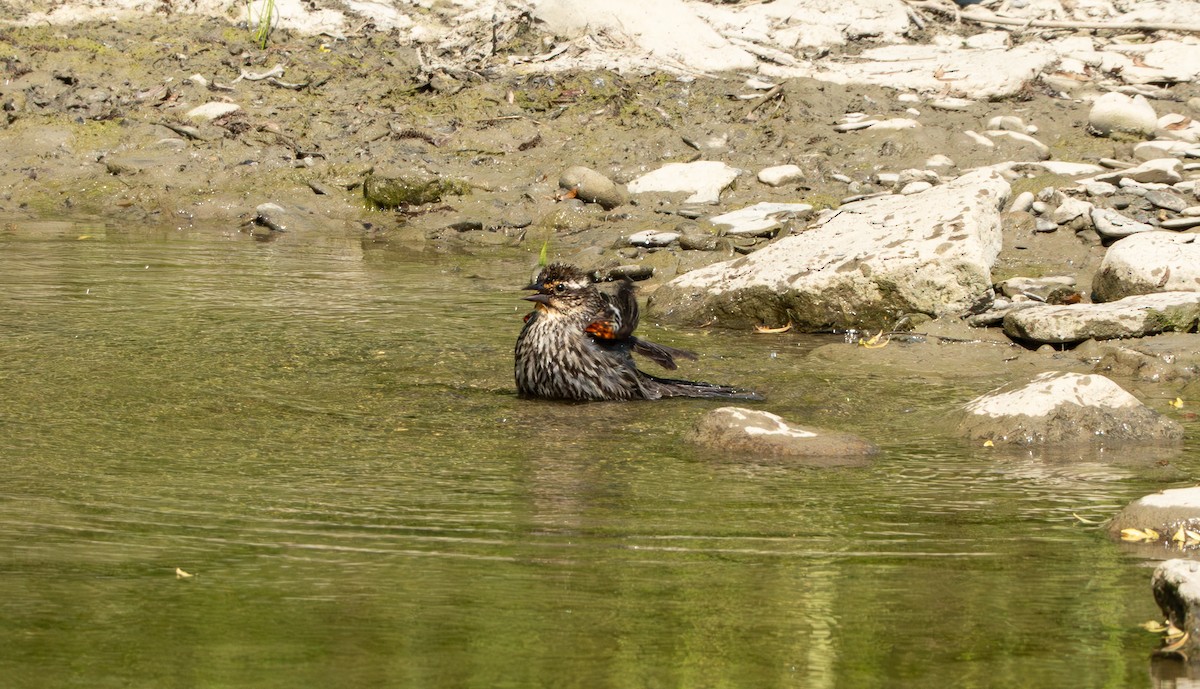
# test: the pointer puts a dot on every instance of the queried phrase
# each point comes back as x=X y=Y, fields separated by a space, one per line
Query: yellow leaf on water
x=180 y=574
x=1132 y=535
x=1151 y=534
x=1192 y=535
x=874 y=342
x=84 y=236
x=1154 y=626
x=1179 y=536
x=988 y=443
x=1177 y=403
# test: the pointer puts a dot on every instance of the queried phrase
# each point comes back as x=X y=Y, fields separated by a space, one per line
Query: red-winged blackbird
x=578 y=344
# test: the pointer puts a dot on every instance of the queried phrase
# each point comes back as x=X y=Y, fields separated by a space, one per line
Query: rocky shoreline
x=1025 y=178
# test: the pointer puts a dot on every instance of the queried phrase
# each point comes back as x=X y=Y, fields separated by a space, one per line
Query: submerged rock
x=864 y=266
x=1163 y=513
x=751 y=431
x=1161 y=358
x=1060 y=407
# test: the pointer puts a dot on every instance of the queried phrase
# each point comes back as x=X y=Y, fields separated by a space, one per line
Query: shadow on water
x=324 y=433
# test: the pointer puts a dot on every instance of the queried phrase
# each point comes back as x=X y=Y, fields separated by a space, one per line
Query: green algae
x=399 y=192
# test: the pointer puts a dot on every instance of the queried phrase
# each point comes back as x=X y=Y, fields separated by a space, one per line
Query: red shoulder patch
x=605 y=330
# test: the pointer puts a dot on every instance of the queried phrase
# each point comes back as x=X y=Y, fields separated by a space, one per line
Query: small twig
x=288 y=85
x=776 y=90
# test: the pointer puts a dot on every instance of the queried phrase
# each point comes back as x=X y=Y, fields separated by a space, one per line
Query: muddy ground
x=95 y=123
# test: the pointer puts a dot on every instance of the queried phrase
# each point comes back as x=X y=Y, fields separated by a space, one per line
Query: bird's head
x=560 y=288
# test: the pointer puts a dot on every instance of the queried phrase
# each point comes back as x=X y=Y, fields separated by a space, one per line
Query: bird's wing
x=607 y=324
x=618 y=317
x=624 y=302
x=661 y=354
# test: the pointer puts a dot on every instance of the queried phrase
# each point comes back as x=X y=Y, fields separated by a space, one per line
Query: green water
x=324 y=432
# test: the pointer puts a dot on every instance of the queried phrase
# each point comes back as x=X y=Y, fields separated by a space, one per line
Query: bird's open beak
x=539 y=298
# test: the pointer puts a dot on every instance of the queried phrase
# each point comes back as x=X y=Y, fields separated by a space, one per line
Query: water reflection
x=324 y=432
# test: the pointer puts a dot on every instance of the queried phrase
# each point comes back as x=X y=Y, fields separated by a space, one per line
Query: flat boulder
x=703 y=179
x=1137 y=316
x=1158 y=518
x=1147 y=263
x=1062 y=408
x=863 y=266
x=749 y=431
x=1176 y=587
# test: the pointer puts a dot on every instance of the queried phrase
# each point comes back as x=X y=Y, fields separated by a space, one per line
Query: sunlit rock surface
x=865 y=265
x=1060 y=407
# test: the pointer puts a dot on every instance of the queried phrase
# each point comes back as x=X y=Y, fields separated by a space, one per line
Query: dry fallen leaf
x=1176 y=645
x=780 y=329
x=874 y=342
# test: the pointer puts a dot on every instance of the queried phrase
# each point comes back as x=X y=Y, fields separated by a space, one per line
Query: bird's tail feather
x=670 y=387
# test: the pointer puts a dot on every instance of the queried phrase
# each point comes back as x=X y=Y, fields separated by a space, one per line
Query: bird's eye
x=560 y=288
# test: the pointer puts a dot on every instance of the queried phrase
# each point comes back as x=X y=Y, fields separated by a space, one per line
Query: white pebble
x=780 y=174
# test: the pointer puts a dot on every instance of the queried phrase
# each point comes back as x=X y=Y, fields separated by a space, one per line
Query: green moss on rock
x=398 y=192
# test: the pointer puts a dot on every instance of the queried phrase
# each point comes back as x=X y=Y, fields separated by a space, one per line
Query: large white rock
x=1135 y=316
x=1177 y=127
x=865 y=265
x=978 y=74
x=761 y=217
x=1113 y=224
x=669 y=32
x=792 y=24
x=1176 y=587
x=1047 y=391
x=1149 y=262
x=703 y=179
x=1156 y=171
x=1157 y=62
x=1117 y=112
x=1058 y=407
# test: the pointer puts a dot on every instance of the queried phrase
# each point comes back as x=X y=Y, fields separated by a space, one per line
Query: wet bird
x=578 y=344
